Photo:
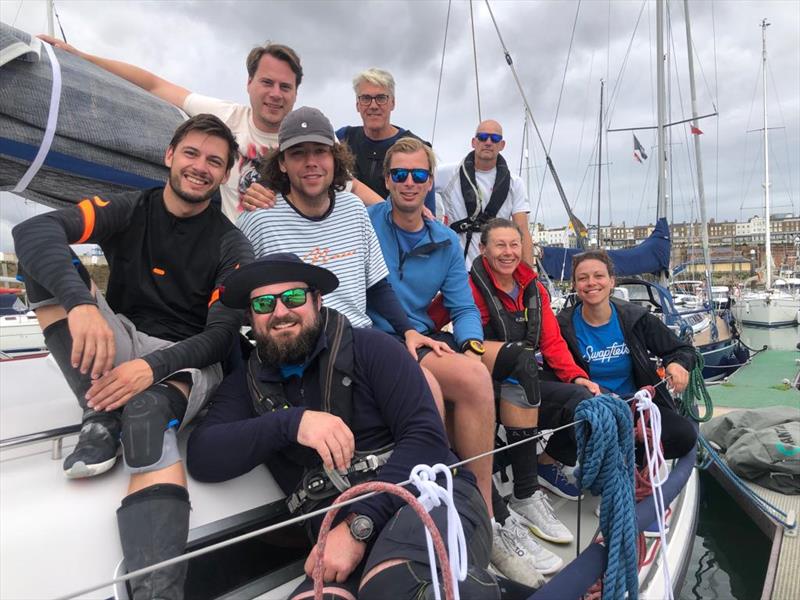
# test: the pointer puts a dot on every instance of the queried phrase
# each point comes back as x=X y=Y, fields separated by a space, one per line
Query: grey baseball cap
x=305 y=124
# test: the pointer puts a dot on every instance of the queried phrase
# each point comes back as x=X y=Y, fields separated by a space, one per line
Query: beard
x=175 y=184
x=292 y=351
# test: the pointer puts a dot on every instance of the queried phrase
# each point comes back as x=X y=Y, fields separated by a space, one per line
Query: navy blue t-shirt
x=605 y=351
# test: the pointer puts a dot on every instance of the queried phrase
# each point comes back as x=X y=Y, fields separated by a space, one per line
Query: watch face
x=361 y=527
x=476 y=347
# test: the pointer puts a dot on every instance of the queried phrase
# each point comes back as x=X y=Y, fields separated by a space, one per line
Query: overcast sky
x=202 y=46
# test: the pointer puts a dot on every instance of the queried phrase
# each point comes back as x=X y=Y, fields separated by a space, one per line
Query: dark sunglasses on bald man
x=293 y=298
x=495 y=137
x=417 y=175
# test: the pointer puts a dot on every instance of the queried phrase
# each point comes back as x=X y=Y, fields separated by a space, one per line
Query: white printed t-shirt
x=342 y=241
x=447 y=183
x=254 y=145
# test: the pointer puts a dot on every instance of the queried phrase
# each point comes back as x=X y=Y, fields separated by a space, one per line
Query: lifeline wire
x=291 y=521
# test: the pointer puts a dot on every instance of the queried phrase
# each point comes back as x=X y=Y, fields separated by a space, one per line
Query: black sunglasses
x=495 y=137
x=417 y=175
x=293 y=298
x=366 y=99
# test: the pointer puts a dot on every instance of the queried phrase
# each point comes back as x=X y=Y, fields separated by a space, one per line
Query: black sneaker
x=96 y=451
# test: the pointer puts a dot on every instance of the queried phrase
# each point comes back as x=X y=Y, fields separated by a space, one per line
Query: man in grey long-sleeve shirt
x=142 y=359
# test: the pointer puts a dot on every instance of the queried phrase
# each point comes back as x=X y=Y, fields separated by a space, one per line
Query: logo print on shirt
x=323 y=255
x=606 y=354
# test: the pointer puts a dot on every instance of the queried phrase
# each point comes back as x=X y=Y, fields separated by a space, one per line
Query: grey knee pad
x=149 y=423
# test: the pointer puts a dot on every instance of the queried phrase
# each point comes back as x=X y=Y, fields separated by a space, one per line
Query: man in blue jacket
x=316 y=395
x=424 y=259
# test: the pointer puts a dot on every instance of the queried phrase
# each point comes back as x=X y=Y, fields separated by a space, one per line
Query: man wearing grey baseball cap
x=316 y=219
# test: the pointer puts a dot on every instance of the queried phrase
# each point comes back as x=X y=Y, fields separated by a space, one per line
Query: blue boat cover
x=651 y=256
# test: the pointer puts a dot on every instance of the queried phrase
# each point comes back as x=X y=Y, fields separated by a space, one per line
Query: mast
x=700 y=187
x=599 y=160
x=50 y=26
x=768 y=244
x=661 y=207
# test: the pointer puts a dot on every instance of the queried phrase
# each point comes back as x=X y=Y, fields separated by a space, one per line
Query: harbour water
x=730 y=554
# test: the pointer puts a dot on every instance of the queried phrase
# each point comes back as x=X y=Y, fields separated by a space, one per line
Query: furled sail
x=651 y=256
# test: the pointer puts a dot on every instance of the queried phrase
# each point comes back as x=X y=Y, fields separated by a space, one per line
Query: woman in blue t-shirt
x=613 y=341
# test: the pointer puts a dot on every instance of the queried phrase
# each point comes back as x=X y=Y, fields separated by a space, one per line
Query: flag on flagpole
x=696 y=131
x=638 y=150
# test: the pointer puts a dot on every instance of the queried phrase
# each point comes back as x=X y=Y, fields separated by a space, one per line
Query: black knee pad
x=149 y=421
x=517 y=361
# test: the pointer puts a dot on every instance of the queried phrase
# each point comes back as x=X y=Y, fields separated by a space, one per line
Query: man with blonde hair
x=375 y=101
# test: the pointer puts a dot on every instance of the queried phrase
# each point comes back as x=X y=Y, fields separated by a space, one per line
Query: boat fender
x=149 y=423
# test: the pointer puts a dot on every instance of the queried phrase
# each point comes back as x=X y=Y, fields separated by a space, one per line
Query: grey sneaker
x=512 y=559
x=536 y=513
x=96 y=450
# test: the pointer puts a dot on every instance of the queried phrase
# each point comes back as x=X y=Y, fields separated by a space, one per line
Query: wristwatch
x=361 y=526
x=475 y=346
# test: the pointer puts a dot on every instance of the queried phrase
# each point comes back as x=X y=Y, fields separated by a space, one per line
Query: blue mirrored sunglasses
x=417 y=175
x=495 y=137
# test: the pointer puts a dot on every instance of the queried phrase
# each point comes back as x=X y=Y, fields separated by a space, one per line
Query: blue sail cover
x=651 y=256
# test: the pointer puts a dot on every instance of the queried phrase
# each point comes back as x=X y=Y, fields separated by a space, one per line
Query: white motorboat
x=769 y=308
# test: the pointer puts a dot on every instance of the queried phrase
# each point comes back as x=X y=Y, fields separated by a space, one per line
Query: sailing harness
x=333 y=369
x=477 y=214
x=513 y=326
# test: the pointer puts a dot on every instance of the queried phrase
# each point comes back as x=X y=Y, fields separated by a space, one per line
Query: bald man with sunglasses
x=481 y=187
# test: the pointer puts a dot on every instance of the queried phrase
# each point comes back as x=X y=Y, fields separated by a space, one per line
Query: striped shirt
x=342 y=240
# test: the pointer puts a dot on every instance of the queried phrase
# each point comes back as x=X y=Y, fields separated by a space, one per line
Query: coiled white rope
x=431 y=494
x=655 y=460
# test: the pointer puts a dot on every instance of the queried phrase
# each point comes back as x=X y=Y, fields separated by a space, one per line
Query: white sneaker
x=511 y=559
x=536 y=513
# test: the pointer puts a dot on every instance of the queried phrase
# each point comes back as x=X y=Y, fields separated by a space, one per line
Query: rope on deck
x=605 y=442
x=695 y=393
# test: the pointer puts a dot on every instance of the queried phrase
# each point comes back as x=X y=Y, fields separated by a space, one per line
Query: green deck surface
x=760 y=383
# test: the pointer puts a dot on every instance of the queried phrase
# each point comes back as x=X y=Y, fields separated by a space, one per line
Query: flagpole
x=701 y=194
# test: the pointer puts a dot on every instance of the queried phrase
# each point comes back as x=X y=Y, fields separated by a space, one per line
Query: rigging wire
x=716 y=98
x=560 y=96
x=441 y=70
x=58 y=20
x=475 y=60
x=745 y=188
x=16 y=16
x=783 y=123
x=613 y=96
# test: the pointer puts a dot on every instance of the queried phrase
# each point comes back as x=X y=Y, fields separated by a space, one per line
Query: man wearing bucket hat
x=293 y=408
x=315 y=218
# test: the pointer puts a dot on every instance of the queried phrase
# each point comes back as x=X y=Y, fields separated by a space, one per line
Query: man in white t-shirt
x=480 y=188
x=274 y=73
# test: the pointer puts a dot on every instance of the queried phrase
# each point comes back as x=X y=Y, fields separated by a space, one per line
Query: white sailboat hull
x=767 y=310
x=19 y=333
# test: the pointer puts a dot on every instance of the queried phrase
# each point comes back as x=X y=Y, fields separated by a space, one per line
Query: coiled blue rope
x=605 y=445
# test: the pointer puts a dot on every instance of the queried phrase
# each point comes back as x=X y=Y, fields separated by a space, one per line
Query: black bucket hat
x=274 y=268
